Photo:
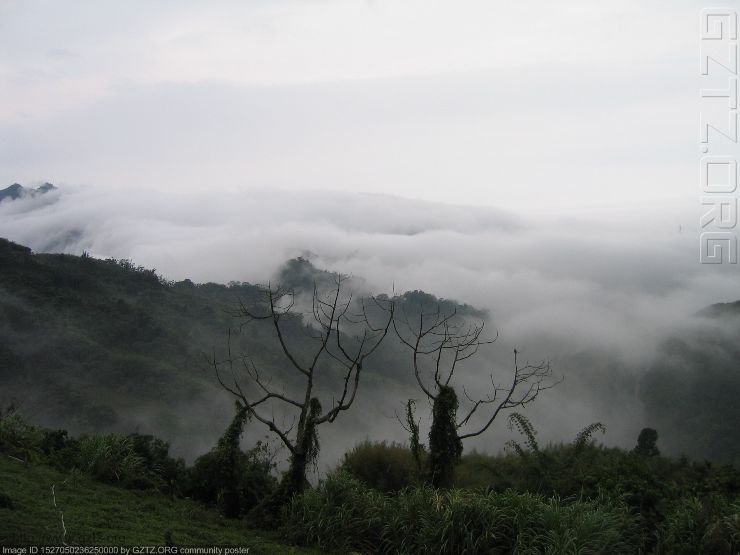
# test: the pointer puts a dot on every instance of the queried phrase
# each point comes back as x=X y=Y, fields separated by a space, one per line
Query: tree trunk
x=294 y=481
x=268 y=514
x=445 y=447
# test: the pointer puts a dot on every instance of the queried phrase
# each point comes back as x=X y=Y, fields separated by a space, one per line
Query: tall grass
x=696 y=526
x=343 y=514
x=111 y=458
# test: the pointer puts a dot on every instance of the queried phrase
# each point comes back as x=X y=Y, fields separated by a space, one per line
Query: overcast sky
x=531 y=106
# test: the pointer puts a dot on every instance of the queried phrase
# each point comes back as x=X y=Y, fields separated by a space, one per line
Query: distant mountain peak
x=720 y=310
x=16 y=191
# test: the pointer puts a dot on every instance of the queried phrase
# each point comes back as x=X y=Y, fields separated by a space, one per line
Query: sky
x=537 y=106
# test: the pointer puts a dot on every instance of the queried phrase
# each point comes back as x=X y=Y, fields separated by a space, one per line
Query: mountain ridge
x=106 y=345
x=16 y=191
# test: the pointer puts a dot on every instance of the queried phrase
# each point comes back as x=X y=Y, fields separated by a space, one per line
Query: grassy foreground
x=100 y=514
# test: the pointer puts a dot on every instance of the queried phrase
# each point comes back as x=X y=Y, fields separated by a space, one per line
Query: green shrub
x=723 y=534
x=700 y=526
x=343 y=514
x=58 y=449
x=647 y=443
x=382 y=466
x=111 y=458
x=134 y=461
x=252 y=471
x=20 y=439
x=659 y=489
x=162 y=471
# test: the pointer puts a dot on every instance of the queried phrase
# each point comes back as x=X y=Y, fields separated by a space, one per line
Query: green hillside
x=94 y=345
x=103 y=345
x=99 y=514
x=691 y=393
x=91 y=345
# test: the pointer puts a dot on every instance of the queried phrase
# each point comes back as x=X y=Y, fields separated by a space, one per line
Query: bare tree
x=340 y=332
x=439 y=342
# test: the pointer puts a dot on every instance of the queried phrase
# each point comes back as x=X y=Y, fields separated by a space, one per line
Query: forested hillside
x=101 y=345
x=691 y=393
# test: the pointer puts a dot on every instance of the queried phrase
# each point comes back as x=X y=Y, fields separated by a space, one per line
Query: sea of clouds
x=604 y=285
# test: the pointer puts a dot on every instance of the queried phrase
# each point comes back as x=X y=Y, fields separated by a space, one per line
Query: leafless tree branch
x=330 y=326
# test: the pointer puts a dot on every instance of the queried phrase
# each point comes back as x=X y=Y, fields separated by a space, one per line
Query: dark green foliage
x=382 y=466
x=75 y=329
x=445 y=446
x=111 y=458
x=413 y=429
x=59 y=449
x=299 y=274
x=700 y=526
x=19 y=439
x=524 y=427
x=415 y=302
x=167 y=473
x=584 y=436
x=312 y=433
x=54 y=441
x=344 y=515
x=647 y=443
x=540 y=464
x=101 y=343
x=306 y=450
x=204 y=482
x=227 y=454
x=228 y=477
x=696 y=383
x=269 y=513
x=253 y=483
x=133 y=461
x=653 y=487
x=615 y=501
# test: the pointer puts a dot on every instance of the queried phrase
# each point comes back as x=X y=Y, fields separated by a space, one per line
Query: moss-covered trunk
x=445 y=446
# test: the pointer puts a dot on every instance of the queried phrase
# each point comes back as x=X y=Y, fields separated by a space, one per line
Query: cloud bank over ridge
x=612 y=282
